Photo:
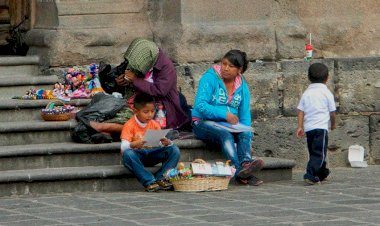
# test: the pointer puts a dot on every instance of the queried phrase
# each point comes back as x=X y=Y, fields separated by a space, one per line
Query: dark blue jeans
x=136 y=160
x=317 y=141
x=235 y=146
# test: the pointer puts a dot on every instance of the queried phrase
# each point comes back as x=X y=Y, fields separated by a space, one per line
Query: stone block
x=263 y=82
x=98 y=7
x=200 y=42
x=357 y=81
x=374 y=128
x=351 y=130
x=296 y=82
x=84 y=46
x=276 y=138
x=188 y=76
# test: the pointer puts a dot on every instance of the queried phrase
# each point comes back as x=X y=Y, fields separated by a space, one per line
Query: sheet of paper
x=153 y=137
x=234 y=128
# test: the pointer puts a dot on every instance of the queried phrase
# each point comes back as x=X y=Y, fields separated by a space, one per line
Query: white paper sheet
x=237 y=128
x=153 y=137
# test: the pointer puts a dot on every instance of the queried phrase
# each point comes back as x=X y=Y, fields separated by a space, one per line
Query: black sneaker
x=152 y=187
x=310 y=182
x=252 y=180
x=165 y=185
x=250 y=167
x=323 y=174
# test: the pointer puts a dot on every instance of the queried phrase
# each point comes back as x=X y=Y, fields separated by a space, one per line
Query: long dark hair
x=237 y=58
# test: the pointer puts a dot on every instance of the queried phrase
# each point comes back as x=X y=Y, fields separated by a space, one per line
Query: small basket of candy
x=56 y=111
x=200 y=176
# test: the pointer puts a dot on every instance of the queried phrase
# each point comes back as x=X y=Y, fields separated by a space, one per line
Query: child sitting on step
x=136 y=156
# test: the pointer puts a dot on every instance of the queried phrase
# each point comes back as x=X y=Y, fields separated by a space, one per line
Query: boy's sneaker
x=165 y=185
x=152 y=187
x=252 y=180
x=310 y=182
x=250 y=167
x=323 y=174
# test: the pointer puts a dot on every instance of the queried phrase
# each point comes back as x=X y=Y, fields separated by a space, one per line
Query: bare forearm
x=300 y=116
x=333 y=120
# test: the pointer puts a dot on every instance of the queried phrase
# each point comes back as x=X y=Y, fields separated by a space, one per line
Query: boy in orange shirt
x=136 y=156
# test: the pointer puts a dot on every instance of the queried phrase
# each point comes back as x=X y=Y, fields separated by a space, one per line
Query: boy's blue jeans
x=238 y=153
x=317 y=141
x=136 y=160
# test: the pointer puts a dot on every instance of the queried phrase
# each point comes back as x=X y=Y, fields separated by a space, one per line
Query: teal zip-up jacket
x=211 y=100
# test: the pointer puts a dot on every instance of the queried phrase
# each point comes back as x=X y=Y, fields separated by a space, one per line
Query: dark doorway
x=14 y=23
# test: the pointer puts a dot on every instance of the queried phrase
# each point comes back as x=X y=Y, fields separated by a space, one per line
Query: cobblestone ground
x=351 y=197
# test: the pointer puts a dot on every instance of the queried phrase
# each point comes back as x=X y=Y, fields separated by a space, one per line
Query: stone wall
x=200 y=30
x=69 y=32
x=275 y=90
x=196 y=33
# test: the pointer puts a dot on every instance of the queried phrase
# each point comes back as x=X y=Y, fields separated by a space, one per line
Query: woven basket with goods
x=201 y=176
x=56 y=111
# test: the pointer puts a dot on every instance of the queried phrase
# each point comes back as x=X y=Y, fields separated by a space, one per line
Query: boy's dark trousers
x=317 y=141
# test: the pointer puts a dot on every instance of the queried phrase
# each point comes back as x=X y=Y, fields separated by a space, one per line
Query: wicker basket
x=64 y=116
x=210 y=183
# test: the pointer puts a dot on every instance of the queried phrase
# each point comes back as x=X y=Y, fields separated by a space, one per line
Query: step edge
x=19 y=60
x=65 y=173
x=32 y=80
x=7 y=104
x=27 y=126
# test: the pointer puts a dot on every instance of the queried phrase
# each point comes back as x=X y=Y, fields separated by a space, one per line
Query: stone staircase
x=39 y=157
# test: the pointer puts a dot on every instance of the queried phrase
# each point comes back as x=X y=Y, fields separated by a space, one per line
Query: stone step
x=102 y=178
x=18 y=85
x=69 y=154
x=19 y=65
x=35 y=132
x=26 y=110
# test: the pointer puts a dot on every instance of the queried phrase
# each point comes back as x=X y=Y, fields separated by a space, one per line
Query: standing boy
x=315 y=109
x=136 y=156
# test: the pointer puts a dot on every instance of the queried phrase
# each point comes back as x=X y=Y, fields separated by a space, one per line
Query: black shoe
x=322 y=174
x=152 y=187
x=165 y=185
x=252 y=180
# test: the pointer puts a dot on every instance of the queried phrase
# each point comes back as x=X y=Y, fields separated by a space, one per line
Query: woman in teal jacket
x=223 y=96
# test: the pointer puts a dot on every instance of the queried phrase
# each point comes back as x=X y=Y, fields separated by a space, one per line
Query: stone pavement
x=351 y=197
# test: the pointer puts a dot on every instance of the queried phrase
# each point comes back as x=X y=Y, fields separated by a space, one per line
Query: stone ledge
x=72 y=148
x=92 y=172
x=17 y=104
x=21 y=60
x=33 y=80
x=28 y=126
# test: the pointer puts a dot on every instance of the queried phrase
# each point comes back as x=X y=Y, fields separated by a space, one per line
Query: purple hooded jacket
x=164 y=89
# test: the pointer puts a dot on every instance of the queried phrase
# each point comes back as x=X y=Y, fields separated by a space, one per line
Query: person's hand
x=300 y=132
x=121 y=81
x=333 y=127
x=231 y=118
x=129 y=75
x=165 y=141
x=137 y=142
